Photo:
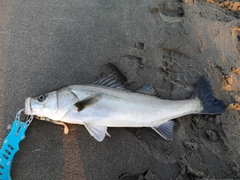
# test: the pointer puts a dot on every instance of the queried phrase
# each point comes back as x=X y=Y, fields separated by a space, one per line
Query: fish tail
x=204 y=92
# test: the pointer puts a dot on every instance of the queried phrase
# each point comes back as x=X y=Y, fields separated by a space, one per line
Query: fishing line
x=84 y=54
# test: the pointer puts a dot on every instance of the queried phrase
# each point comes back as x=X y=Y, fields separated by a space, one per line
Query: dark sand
x=48 y=44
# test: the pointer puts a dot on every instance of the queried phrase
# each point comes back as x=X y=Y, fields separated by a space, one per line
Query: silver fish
x=107 y=104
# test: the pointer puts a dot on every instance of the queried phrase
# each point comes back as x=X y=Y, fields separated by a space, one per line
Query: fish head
x=53 y=105
x=42 y=105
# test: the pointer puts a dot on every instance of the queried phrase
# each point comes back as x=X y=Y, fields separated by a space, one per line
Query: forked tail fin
x=211 y=105
x=204 y=92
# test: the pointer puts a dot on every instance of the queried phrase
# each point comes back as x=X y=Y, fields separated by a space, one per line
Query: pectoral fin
x=165 y=130
x=98 y=132
x=87 y=102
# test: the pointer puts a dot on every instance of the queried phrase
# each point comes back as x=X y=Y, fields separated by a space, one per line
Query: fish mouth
x=28 y=108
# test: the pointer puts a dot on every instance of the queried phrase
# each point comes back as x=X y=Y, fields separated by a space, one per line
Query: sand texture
x=48 y=44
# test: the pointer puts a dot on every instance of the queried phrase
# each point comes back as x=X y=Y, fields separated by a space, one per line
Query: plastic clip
x=11 y=145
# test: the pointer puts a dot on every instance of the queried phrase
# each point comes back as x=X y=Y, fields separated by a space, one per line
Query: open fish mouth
x=28 y=108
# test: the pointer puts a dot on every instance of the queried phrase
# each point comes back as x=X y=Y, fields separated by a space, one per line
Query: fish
x=106 y=103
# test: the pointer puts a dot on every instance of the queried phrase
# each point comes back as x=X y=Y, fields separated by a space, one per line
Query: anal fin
x=165 y=130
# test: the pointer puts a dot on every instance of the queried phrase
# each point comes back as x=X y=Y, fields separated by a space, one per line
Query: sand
x=45 y=45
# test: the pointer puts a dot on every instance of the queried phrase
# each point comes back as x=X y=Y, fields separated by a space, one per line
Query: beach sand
x=48 y=44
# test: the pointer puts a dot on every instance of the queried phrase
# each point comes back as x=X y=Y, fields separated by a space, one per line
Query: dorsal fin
x=110 y=81
x=90 y=100
x=148 y=89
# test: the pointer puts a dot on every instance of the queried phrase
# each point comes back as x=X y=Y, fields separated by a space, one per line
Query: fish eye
x=41 y=98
